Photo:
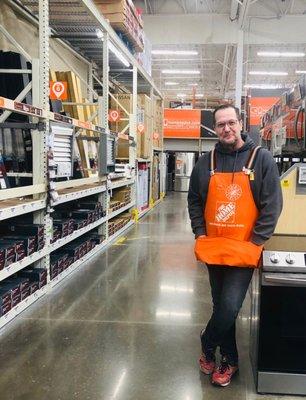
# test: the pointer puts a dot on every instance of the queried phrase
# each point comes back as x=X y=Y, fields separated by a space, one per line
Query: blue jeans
x=228 y=288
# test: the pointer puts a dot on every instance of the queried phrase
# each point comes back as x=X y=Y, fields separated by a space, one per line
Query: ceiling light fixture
x=175 y=52
x=180 y=71
x=264 y=86
x=113 y=49
x=193 y=84
x=99 y=33
x=300 y=72
x=171 y=83
x=280 y=54
x=118 y=54
x=181 y=95
x=272 y=73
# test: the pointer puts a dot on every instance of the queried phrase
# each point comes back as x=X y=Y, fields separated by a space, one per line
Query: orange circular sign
x=140 y=128
x=113 y=115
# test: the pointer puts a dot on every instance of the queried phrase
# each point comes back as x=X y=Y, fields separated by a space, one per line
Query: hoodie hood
x=248 y=144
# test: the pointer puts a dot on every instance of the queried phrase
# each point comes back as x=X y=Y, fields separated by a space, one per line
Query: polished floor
x=125 y=326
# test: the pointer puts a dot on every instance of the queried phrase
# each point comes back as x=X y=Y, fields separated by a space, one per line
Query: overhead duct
x=234 y=13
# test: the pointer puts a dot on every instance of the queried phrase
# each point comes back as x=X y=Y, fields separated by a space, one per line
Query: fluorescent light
x=264 y=86
x=300 y=72
x=99 y=33
x=118 y=54
x=171 y=83
x=280 y=54
x=275 y=73
x=180 y=71
x=199 y=95
x=113 y=49
x=175 y=52
x=193 y=84
x=181 y=95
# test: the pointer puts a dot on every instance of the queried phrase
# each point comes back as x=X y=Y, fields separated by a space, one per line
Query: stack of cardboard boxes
x=124 y=17
x=158 y=123
x=144 y=124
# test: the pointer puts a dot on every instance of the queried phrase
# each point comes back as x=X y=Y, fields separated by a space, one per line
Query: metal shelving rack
x=74 y=24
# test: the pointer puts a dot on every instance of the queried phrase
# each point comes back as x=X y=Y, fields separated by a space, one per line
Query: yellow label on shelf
x=285 y=183
x=135 y=214
x=162 y=195
x=151 y=202
x=121 y=240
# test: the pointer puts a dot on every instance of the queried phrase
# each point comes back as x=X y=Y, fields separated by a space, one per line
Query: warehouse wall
x=27 y=36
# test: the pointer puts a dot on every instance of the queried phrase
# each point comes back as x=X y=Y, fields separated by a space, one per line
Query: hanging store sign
x=182 y=123
x=58 y=90
x=113 y=115
x=1 y=101
x=259 y=106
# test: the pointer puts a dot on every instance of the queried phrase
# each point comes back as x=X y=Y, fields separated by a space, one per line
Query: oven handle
x=281 y=280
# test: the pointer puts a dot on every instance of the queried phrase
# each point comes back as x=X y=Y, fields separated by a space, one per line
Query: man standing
x=234 y=202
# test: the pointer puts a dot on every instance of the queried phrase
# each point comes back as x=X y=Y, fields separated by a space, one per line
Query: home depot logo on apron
x=230 y=215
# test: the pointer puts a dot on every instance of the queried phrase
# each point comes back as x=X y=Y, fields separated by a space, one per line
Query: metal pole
x=133 y=130
x=239 y=68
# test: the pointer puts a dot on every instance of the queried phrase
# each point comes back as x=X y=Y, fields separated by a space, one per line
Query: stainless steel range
x=278 y=307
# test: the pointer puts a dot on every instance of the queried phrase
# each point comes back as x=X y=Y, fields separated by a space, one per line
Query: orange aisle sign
x=182 y=123
x=58 y=90
x=259 y=106
x=113 y=115
x=140 y=128
x=1 y=101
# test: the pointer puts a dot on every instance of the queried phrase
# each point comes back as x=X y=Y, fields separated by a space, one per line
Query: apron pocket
x=225 y=251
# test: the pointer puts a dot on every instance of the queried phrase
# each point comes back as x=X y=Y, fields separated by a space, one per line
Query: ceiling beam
x=243 y=13
x=224 y=70
x=234 y=10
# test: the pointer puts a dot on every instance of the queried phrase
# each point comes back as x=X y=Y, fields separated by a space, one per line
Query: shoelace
x=223 y=367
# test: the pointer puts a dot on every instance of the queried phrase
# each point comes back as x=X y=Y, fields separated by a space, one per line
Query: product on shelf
x=61 y=259
x=74 y=216
x=7 y=254
x=120 y=198
x=24 y=230
x=143 y=186
x=36 y=276
x=124 y=18
x=19 y=286
x=117 y=223
x=29 y=242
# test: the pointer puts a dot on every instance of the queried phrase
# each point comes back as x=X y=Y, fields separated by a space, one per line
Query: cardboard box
x=119 y=6
x=123 y=149
x=122 y=195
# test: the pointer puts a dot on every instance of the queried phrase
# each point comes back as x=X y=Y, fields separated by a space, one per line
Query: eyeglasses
x=231 y=123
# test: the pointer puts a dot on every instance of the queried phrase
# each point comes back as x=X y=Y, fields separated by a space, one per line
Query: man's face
x=228 y=128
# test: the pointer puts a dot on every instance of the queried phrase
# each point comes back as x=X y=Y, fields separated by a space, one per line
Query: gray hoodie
x=265 y=187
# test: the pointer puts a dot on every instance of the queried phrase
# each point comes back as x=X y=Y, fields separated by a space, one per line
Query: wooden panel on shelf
x=75 y=96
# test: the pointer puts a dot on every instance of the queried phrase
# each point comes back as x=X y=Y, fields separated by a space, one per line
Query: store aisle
x=124 y=327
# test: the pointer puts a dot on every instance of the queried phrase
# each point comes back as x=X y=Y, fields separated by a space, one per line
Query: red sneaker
x=223 y=374
x=206 y=366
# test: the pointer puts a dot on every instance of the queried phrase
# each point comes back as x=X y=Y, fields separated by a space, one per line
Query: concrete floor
x=125 y=326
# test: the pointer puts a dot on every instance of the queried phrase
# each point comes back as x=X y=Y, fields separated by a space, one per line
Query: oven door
x=282 y=323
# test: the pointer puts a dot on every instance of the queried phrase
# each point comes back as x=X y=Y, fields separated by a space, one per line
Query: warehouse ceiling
x=216 y=62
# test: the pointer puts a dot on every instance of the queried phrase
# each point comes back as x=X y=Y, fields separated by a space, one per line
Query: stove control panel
x=284 y=261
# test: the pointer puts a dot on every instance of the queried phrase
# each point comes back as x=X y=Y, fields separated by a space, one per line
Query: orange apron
x=230 y=215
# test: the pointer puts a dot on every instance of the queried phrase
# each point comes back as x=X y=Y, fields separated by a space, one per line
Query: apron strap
x=252 y=158
x=212 y=162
